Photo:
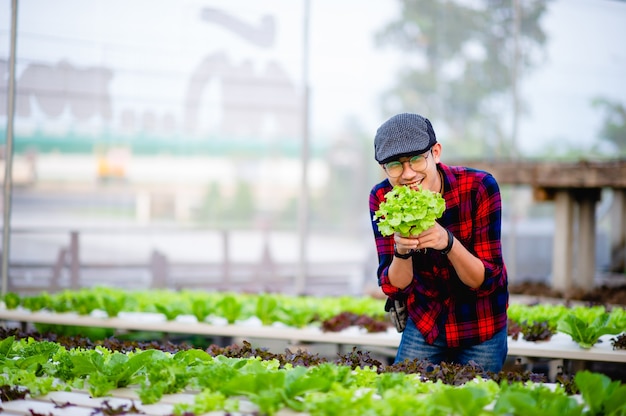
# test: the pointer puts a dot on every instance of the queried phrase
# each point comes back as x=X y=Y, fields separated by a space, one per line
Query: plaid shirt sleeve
x=486 y=233
x=438 y=300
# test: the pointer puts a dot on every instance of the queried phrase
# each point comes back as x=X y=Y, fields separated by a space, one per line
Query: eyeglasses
x=417 y=163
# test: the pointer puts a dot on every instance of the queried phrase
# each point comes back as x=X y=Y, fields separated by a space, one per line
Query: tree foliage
x=613 y=129
x=461 y=60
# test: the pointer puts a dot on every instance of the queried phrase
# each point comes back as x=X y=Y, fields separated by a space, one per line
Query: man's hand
x=436 y=237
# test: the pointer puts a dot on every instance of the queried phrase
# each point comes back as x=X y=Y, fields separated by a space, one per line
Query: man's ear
x=436 y=151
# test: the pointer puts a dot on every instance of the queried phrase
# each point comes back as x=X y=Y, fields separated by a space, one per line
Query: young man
x=452 y=275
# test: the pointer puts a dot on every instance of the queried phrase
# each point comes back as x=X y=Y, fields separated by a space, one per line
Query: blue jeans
x=490 y=355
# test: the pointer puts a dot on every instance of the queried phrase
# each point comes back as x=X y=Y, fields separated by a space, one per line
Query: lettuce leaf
x=409 y=211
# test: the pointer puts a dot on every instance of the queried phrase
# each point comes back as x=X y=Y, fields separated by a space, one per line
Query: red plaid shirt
x=437 y=299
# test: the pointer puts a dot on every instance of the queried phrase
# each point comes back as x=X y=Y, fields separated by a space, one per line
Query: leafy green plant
x=32 y=355
x=171 y=374
x=342 y=400
x=536 y=322
x=221 y=382
x=12 y=300
x=111 y=301
x=295 y=311
x=618 y=317
x=207 y=401
x=106 y=370
x=519 y=399
x=200 y=308
x=84 y=303
x=409 y=211
x=266 y=308
x=602 y=396
x=23 y=363
x=263 y=387
x=404 y=401
x=296 y=317
x=38 y=302
x=467 y=400
x=171 y=309
x=586 y=334
x=230 y=307
x=35 y=384
x=542 y=312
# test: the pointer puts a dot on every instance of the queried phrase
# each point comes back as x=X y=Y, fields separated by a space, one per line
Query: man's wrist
x=399 y=255
x=450 y=243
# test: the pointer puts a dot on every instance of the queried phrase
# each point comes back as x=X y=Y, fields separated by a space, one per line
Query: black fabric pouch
x=397 y=312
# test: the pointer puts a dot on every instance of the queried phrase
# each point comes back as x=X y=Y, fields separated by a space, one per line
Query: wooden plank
x=581 y=174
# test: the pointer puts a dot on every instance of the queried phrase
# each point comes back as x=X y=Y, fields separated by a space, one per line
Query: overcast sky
x=587 y=58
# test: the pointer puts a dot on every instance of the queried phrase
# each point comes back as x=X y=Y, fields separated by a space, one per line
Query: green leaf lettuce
x=409 y=211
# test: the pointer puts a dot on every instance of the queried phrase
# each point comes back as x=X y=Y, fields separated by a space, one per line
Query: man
x=452 y=275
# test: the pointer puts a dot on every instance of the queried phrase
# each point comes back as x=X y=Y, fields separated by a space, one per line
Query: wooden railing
x=584 y=174
x=575 y=188
x=159 y=271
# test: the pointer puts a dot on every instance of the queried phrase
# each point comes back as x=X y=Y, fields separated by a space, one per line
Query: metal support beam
x=74 y=260
x=303 y=206
x=8 y=154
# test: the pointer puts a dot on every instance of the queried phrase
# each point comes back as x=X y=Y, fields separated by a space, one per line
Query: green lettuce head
x=409 y=211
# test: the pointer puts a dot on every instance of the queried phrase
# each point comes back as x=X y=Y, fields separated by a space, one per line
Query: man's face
x=416 y=170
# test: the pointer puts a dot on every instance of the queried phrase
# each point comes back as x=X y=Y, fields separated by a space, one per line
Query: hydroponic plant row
x=247 y=381
x=584 y=324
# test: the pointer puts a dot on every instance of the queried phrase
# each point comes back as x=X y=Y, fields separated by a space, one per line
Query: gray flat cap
x=404 y=134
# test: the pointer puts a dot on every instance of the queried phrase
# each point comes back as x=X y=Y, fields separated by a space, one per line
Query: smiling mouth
x=415 y=185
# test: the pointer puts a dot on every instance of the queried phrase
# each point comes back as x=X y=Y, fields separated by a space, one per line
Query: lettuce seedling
x=587 y=333
x=12 y=300
x=230 y=307
x=409 y=211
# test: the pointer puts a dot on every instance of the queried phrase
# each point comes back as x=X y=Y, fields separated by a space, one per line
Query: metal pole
x=8 y=153
x=303 y=207
x=517 y=16
x=511 y=261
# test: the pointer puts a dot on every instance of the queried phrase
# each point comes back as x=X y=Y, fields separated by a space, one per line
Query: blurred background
x=229 y=145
